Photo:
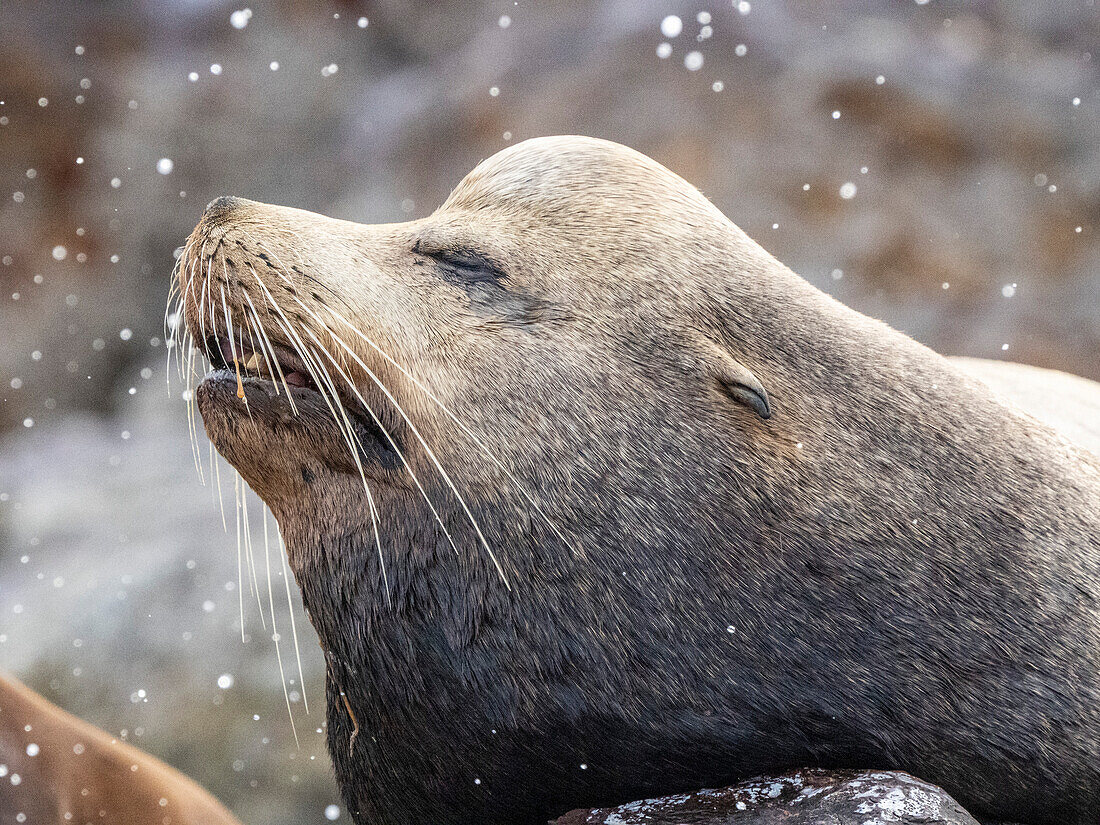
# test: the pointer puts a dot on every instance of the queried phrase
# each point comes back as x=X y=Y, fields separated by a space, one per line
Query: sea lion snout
x=221 y=207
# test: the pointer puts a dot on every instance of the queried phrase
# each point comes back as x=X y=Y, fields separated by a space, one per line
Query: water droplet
x=239 y=19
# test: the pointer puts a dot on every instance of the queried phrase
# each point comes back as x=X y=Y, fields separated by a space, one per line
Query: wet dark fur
x=893 y=571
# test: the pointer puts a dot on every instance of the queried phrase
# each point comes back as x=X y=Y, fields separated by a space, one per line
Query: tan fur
x=1068 y=403
x=79 y=774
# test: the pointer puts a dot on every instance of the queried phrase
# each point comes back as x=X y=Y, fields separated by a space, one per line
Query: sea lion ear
x=739 y=383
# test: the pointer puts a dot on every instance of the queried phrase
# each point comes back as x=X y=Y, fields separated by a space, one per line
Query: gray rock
x=807 y=797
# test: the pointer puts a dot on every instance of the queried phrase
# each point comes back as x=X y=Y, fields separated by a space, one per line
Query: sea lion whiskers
x=258 y=341
x=218 y=485
x=172 y=307
x=316 y=371
x=334 y=403
x=243 y=521
x=349 y=436
x=290 y=610
x=178 y=340
x=240 y=578
x=389 y=438
x=351 y=385
x=265 y=346
x=233 y=347
x=191 y=404
x=275 y=628
x=447 y=411
x=423 y=442
x=288 y=327
x=192 y=424
x=254 y=583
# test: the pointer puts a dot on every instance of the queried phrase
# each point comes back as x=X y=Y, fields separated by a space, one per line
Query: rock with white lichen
x=807 y=797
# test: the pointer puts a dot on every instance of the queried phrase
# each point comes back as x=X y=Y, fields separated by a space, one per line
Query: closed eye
x=465 y=263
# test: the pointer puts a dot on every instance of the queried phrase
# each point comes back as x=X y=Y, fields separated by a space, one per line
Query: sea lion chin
x=590 y=499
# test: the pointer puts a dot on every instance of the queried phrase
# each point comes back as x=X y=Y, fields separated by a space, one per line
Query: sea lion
x=60 y=769
x=630 y=508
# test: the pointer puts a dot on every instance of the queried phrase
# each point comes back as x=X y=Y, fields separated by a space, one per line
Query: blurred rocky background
x=935 y=164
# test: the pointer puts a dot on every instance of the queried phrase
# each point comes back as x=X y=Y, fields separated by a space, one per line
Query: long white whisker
x=350 y=436
x=233 y=348
x=218 y=484
x=273 y=360
x=290 y=610
x=393 y=444
x=254 y=583
x=443 y=407
x=265 y=347
x=427 y=449
x=240 y=577
x=275 y=630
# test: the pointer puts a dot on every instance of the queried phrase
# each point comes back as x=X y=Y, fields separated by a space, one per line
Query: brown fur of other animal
x=63 y=770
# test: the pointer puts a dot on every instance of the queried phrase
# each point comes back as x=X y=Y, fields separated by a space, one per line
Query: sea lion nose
x=220 y=207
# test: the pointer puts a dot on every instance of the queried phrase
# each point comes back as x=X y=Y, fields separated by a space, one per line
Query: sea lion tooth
x=253 y=363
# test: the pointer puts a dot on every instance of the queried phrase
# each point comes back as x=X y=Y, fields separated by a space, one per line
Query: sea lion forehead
x=549 y=175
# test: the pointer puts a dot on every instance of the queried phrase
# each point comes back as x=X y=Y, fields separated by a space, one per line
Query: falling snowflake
x=239 y=19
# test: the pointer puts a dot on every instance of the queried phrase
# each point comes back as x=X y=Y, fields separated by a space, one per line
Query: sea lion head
x=480 y=378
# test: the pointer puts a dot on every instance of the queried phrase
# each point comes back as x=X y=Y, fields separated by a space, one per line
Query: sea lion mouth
x=281 y=365
x=281 y=376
